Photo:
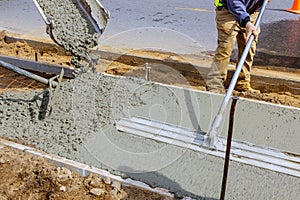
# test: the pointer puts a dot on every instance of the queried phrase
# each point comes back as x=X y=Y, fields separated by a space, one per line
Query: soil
x=20 y=49
x=26 y=176
x=172 y=77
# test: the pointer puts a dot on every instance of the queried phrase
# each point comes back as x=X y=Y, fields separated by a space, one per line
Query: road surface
x=185 y=26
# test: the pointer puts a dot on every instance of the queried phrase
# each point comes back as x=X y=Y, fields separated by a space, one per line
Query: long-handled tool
x=54 y=86
x=28 y=74
x=211 y=138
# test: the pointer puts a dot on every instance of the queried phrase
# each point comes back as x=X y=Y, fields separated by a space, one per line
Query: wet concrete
x=184 y=171
x=72 y=29
x=82 y=127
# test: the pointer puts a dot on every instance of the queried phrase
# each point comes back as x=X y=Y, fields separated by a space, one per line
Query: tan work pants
x=228 y=32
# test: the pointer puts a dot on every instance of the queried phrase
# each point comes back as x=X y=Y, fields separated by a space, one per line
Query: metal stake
x=228 y=147
x=147 y=68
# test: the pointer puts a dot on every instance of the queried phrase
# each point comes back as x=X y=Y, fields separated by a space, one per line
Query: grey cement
x=82 y=127
x=189 y=172
x=72 y=30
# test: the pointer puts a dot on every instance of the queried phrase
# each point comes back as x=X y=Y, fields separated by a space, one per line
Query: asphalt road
x=184 y=26
x=196 y=19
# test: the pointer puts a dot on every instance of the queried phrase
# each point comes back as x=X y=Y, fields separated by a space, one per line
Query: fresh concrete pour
x=82 y=127
x=71 y=29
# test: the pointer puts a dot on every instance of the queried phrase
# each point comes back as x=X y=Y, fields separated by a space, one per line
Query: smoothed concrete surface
x=185 y=171
x=268 y=125
x=82 y=127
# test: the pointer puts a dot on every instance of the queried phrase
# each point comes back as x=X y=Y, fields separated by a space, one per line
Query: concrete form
x=82 y=127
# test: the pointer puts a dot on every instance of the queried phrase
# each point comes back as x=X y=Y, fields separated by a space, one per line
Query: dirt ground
x=11 y=81
x=25 y=176
x=171 y=77
x=20 y=49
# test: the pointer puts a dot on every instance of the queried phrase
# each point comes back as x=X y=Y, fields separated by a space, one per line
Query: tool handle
x=211 y=138
x=26 y=73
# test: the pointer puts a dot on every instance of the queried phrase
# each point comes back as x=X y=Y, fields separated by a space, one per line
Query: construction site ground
x=13 y=82
x=26 y=176
x=276 y=73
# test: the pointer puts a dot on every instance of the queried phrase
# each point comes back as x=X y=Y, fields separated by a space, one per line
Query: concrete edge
x=39 y=66
x=208 y=92
x=197 y=70
x=272 y=125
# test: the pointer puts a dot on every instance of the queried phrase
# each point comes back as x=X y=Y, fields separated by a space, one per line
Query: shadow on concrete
x=191 y=110
x=44 y=106
x=155 y=179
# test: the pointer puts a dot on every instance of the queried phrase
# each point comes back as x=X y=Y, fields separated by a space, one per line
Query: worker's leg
x=226 y=26
x=243 y=83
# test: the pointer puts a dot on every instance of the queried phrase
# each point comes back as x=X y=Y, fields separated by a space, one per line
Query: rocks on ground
x=25 y=176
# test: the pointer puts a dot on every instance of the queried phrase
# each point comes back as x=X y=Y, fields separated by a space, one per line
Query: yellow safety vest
x=218 y=3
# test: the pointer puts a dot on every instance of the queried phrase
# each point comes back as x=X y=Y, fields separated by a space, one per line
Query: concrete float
x=265 y=162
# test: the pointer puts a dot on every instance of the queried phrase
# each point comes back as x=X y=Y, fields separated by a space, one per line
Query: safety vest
x=218 y=3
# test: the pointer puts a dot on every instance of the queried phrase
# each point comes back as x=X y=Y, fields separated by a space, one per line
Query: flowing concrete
x=82 y=127
x=72 y=29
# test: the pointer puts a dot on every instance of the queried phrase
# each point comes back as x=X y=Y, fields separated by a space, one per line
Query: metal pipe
x=211 y=138
x=30 y=65
x=26 y=73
